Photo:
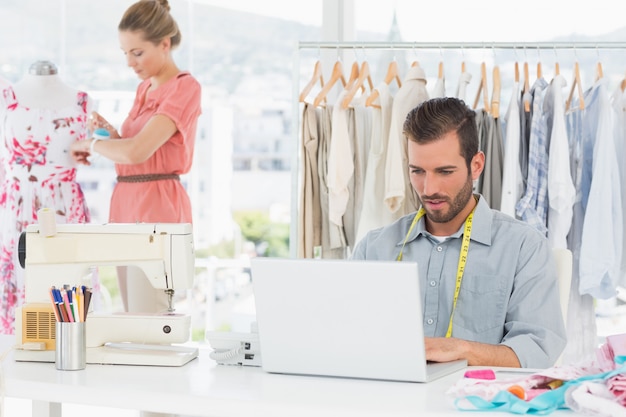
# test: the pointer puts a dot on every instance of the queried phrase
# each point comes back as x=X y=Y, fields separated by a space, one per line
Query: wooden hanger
x=317 y=76
x=359 y=83
x=495 y=96
x=526 y=88
x=463 y=67
x=516 y=72
x=483 y=88
x=576 y=85
x=557 y=69
x=440 y=72
x=336 y=75
x=623 y=84
x=599 y=72
x=392 y=74
x=354 y=74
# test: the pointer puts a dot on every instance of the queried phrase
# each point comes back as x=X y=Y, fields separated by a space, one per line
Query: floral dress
x=36 y=171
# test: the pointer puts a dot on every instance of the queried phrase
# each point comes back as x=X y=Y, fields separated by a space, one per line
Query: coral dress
x=37 y=171
x=162 y=200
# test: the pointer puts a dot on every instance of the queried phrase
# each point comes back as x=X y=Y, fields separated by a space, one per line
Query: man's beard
x=456 y=206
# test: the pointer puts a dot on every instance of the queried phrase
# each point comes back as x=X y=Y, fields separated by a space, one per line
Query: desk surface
x=202 y=388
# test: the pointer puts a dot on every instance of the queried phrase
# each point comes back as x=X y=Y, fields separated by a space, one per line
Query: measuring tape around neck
x=467 y=232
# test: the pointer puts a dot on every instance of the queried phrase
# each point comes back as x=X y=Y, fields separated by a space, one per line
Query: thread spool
x=47 y=222
x=518 y=391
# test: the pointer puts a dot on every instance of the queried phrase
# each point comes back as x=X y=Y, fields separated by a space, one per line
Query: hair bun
x=165 y=4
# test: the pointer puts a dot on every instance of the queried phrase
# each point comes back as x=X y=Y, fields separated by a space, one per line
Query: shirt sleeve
x=182 y=105
x=534 y=326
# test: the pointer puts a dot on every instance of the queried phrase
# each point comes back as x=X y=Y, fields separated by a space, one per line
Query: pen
x=71 y=296
x=75 y=304
x=60 y=305
x=55 y=306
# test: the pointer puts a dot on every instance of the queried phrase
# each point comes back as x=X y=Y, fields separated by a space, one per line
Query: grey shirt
x=509 y=293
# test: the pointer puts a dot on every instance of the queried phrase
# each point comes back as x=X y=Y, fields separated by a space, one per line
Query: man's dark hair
x=434 y=118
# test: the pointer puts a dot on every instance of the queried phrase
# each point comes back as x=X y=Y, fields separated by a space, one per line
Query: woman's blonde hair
x=153 y=19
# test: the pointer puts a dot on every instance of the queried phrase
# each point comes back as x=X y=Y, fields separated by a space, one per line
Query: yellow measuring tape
x=467 y=232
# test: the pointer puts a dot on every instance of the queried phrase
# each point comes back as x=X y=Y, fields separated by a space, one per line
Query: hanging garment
x=360 y=121
x=618 y=100
x=340 y=171
x=533 y=206
x=310 y=213
x=601 y=243
x=440 y=87
x=561 y=191
x=464 y=80
x=512 y=183
x=490 y=142
x=329 y=233
x=399 y=194
x=581 y=322
x=39 y=172
x=374 y=213
x=524 y=144
x=591 y=240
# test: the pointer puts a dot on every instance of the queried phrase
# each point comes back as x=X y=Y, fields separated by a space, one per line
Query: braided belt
x=147 y=177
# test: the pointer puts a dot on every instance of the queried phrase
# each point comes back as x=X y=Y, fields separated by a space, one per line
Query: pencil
x=87 y=301
x=79 y=303
x=68 y=307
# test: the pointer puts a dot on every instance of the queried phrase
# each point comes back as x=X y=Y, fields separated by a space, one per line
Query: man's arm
x=441 y=349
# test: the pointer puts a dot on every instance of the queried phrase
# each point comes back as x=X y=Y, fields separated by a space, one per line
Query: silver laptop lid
x=344 y=318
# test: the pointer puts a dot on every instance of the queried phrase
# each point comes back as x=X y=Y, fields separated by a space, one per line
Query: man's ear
x=477 y=165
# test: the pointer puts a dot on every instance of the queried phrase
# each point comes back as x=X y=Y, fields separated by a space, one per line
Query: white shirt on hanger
x=512 y=182
x=398 y=189
x=340 y=170
x=601 y=243
x=561 y=191
x=374 y=213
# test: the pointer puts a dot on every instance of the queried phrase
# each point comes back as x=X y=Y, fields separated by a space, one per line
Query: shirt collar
x=481 y=225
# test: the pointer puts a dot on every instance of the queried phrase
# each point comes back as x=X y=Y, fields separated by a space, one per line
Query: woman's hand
x=96 y=121
x=81 y=151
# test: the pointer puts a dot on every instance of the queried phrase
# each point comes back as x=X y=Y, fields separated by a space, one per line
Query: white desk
x=202 y=388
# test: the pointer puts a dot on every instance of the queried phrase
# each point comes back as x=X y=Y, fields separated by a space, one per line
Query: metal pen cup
x=71 y=346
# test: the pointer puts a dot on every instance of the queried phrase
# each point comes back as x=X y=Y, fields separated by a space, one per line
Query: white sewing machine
x=164 y=251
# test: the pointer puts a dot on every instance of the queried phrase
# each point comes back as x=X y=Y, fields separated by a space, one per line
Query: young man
x=489 y=283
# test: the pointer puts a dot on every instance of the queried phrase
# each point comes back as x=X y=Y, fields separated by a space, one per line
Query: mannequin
x=40 y=117
x=43 y=88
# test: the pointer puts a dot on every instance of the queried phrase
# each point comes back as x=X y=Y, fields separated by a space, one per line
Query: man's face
x=440 y=177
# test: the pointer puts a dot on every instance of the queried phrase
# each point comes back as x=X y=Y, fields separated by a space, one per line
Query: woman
x=156 y=141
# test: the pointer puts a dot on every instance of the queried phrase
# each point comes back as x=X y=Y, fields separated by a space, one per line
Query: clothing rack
x=462 y=45
x=302 y=45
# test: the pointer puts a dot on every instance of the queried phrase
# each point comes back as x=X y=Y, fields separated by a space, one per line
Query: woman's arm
x=132 y=150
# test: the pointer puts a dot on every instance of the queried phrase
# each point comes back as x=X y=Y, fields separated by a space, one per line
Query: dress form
x=40 y=117
x=43 y=88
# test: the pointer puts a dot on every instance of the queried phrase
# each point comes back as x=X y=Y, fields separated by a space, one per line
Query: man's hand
x=441 y=349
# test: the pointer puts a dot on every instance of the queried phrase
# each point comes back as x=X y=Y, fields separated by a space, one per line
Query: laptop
x=342 y=318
